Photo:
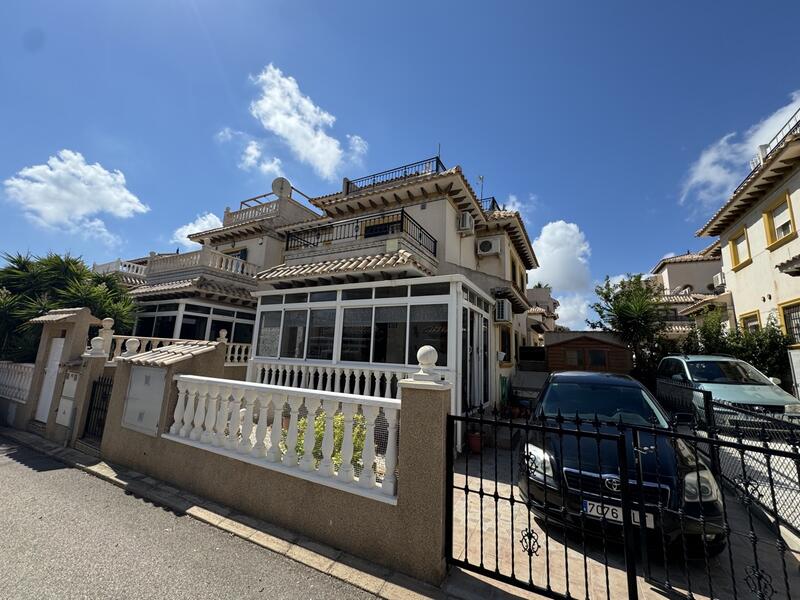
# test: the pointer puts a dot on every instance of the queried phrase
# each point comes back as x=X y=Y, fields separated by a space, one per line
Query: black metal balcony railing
x=423 y=167
x=489 y=204
x=390 y=223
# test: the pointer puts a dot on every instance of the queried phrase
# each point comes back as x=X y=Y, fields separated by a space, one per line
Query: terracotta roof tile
x=169 y=355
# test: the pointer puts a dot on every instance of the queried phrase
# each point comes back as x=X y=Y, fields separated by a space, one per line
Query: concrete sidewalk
x=374 y=579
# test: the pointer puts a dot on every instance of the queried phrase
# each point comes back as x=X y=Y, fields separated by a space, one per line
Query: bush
x=359 y=436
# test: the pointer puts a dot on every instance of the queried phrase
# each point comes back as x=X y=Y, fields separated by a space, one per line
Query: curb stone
x=357 y=572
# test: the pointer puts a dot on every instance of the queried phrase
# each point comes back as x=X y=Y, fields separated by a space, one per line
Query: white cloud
x=723 y=165
x=563 y=252
x=284 y=111
x=203 y=222
x=226 y=134
x=668 y=255
x=69 y=194
x=524 y=207
x=250 y=155
x=271 y=167
x=573 y=311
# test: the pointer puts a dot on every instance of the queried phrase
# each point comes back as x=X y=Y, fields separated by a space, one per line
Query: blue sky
x=122 y=122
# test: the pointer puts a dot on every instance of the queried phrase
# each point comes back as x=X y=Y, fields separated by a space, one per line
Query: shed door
x=49 y=381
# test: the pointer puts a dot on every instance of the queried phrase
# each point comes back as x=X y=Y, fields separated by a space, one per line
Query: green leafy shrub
x=359 y=436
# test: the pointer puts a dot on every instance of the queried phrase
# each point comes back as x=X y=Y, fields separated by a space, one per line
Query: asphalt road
x=65 y=534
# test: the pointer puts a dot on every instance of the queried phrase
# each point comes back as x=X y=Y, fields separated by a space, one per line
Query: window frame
x=773 y=242
x=750 y=315
x=737 y=262
x=781 y=307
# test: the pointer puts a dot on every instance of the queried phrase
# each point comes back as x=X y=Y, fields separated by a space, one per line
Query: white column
x=309 y=437
x=329 y=380
x=290 y=458
x=180 y=406
x=346 y=471
x=245 y=445
x=211 y=414
x=274 y=452
x=236 y=417
x=326 y=465
x=188 y=413
x=199 y=413
x=222 y=416
x=260 y=448
x=367 y=477
x=389 y=486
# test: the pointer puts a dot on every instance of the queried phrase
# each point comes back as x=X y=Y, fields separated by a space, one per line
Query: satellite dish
x=282 y=188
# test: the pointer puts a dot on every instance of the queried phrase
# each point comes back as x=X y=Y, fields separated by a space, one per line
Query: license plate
x=614 y=513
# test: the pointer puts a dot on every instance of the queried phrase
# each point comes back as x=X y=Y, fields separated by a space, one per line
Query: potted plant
x=474 y=440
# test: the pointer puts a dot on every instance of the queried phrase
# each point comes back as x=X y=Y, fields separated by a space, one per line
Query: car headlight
x=793 y=408
x=538 y=464
x=699 y=487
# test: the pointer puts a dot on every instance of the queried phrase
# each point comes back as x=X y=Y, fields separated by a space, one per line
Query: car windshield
x=609 y=402
x=725 y=371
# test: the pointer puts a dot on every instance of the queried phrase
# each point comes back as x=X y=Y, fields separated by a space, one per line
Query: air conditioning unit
x=502 y=311
x=719 y=280
x=488 y=246
x=466 y=224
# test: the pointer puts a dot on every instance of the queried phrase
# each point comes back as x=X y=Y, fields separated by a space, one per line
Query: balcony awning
x=389 y=262
x=791 y=266
x=199 y=286
x=723 y=299
x=519 y=301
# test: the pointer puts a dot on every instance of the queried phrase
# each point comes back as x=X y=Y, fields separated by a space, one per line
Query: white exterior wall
x=264 y=251
x=761 y=278
x=698 y=274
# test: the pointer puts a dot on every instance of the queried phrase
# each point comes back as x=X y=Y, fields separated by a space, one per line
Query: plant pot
x=474 y=442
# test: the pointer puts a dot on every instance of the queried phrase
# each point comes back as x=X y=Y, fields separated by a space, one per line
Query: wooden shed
x=587 y=351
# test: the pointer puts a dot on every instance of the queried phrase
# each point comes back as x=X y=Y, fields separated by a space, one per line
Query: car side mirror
x=678 y=377
x=775 y=380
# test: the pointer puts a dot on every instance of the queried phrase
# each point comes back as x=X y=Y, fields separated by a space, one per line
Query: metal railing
x=490 y=204
x=396 y=222
x=424 y=167
x=791 y=126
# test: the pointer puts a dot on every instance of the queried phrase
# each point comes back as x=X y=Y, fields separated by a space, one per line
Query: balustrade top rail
x=260 y=211
x=291 y=391
x=389 y=223
x=120 y=266
x=423 y=167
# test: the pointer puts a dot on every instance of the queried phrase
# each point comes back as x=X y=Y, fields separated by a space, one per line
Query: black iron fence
x=592 y=509
x=773 y=485
x=395 y=222
x=98 y=408
x=422 y=167
x=490 y=204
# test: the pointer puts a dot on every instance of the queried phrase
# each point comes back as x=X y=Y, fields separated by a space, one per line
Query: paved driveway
x=66 y=534
x=496 y=534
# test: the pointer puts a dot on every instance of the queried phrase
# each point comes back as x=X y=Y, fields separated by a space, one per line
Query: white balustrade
x=246 y=421
x=15 y=380
x=261 y=211
x=237 y=354
x=366 y=379
x=120 y=266
x=205 y=257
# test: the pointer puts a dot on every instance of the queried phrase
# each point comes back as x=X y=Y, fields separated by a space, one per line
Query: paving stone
x=236 y=528
x=316 y=555
x=402 y=587
x=361 y=573
x=270 y=542
x=202 y=514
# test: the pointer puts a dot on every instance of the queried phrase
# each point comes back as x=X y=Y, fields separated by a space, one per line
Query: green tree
x=633 y=310
x=31 y=286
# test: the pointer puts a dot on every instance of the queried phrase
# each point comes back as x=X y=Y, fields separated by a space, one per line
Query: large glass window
x=269 y=333
x=431 y=289
x=356 y=334
x=217 y=326
x=293 y=334
x=400 y=291
x=390 y=334
x=791 y=320
x=193 y=328
x=320 y=334
x=242 y=333
x=740 y=249
x=428 y=328
x=357 y=294
x=144 y=326
x=165 y=326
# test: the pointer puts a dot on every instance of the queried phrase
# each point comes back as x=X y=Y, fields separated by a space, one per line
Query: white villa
x=340 y=293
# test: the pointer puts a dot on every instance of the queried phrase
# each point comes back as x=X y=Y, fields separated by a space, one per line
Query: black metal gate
x=552 y=512
x=98 y=407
